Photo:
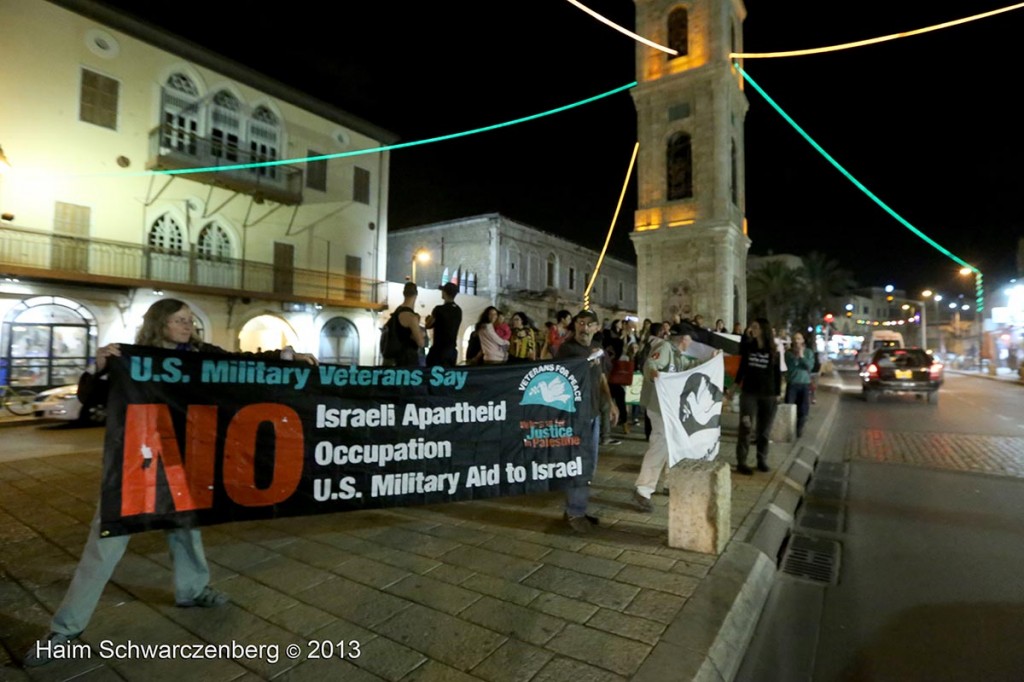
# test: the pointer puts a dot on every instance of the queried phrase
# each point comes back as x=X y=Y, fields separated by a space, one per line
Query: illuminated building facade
x=689 y=230
x=91 y=236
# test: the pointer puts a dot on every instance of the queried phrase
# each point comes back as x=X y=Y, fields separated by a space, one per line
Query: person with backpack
x=402 y=336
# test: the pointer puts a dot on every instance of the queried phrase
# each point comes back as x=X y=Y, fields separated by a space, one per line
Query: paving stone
x=239 y=555
x=456 y=575
x=605 y=568
x=301 y=619
x=287 y=575
x=413 y=563
x=369 y=572
x=515 y=621
x=460 y=534
x=491 y=563
x=409 y=541
x=261 y=533
x=255 y=597
x=654 y=561
x=603 y=551
x=618 y=654
x=563 y=669
x=353 y=602
x=434 y=593
x=432 y=671
x=444 y=638
x=656 y=606
x=631 y=627
x=698 y=571
x=501 y=589
x=599 y=591
x=565 y=608
x=315 y=554
x=681 y=585
x=387 y=658
x=514 y=661
x=321 y=669
x=526 y=550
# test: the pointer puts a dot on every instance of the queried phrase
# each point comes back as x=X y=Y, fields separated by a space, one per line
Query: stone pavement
x=495 y=590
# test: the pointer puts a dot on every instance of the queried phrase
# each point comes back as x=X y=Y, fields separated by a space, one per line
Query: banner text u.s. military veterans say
x=197 y=439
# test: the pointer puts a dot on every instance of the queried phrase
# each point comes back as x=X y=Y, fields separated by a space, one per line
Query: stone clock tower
x=690 y=231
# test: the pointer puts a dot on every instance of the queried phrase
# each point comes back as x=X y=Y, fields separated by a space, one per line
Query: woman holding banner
x=167 y=324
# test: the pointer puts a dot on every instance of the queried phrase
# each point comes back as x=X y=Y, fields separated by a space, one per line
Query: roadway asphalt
x=494 y=590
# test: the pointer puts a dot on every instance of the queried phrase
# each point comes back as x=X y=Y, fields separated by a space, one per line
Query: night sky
x=926 y=123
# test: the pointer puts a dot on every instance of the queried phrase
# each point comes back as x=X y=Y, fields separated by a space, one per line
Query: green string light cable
x=979 y=289
x=376 y=150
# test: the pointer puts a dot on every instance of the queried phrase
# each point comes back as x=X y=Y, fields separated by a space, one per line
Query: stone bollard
x=784 y=426
x=699 y=506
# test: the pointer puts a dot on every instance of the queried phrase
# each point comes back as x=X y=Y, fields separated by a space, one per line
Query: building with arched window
x=514 y=266
x=171 y=177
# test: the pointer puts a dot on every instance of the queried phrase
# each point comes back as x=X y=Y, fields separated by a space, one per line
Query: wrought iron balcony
x=173 y=148
x=54 y=257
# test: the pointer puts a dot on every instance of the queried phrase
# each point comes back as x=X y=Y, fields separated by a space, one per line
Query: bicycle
x=17 y=401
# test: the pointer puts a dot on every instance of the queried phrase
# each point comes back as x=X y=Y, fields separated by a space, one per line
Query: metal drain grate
x=820 y=517
x=812 y=558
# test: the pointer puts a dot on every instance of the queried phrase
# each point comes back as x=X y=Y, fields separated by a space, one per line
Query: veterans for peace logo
x=552 y=386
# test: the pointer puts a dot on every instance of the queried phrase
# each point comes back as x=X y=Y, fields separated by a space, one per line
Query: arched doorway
x=46 y=341
x=339 y=342
x=266 y=332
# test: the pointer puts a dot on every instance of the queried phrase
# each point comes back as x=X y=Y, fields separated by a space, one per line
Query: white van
x=879 y=339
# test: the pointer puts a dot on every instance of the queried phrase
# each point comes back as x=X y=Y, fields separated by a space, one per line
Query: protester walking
x=523 y=343
x=584 y=345
x=167 y=324
x=760 y=379
x=667 y=355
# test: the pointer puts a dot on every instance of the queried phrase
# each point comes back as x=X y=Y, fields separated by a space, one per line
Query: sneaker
x=579 y=524
x=611 y=441
x=207 y=599
x=744 y=469
x=762 y=466
x=642 y=503
x=43 y=651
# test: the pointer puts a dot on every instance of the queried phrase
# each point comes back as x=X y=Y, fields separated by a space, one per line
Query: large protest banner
x=197 y=439
x=691 y=403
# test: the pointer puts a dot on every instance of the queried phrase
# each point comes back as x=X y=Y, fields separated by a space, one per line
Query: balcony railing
x=172 y=148
x=31 y=253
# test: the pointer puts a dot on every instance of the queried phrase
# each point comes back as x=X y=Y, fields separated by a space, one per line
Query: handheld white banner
x=691 y=408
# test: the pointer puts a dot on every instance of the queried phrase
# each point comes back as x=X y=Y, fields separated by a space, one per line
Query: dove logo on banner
x=552 y=386
x=691 y=404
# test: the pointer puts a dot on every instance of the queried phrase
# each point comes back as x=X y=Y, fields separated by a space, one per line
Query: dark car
x=902 y=370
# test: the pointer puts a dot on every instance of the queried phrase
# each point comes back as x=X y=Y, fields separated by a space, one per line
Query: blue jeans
x=799 y=395
x=577 y=495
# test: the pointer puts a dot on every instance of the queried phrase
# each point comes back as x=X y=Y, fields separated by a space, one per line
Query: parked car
x=62 y=403
x=902 y=370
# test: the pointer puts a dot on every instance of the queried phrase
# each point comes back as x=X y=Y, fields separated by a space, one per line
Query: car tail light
x=872 y=371
x=935 y=371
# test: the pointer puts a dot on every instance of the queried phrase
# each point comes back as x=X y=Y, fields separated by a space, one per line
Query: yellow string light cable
x=621 y=29
x=871 y=195
x=611 y=228
x=872 y=41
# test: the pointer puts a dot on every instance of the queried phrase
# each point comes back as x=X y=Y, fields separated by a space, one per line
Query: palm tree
x=822 y=279
x=772 y=291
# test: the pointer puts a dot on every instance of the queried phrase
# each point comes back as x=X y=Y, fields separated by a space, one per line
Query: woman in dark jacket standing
x=761 y=379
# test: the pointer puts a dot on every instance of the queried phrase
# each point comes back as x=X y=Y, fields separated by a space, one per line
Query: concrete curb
x=1019 y=382
x=709 y=637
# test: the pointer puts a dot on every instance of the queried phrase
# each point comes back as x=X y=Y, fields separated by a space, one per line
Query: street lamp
x=421 y=255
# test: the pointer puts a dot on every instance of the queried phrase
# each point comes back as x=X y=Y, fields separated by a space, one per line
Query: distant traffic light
x=829 y=317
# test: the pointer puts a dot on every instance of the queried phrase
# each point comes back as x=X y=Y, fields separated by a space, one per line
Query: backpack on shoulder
x=390 y=344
